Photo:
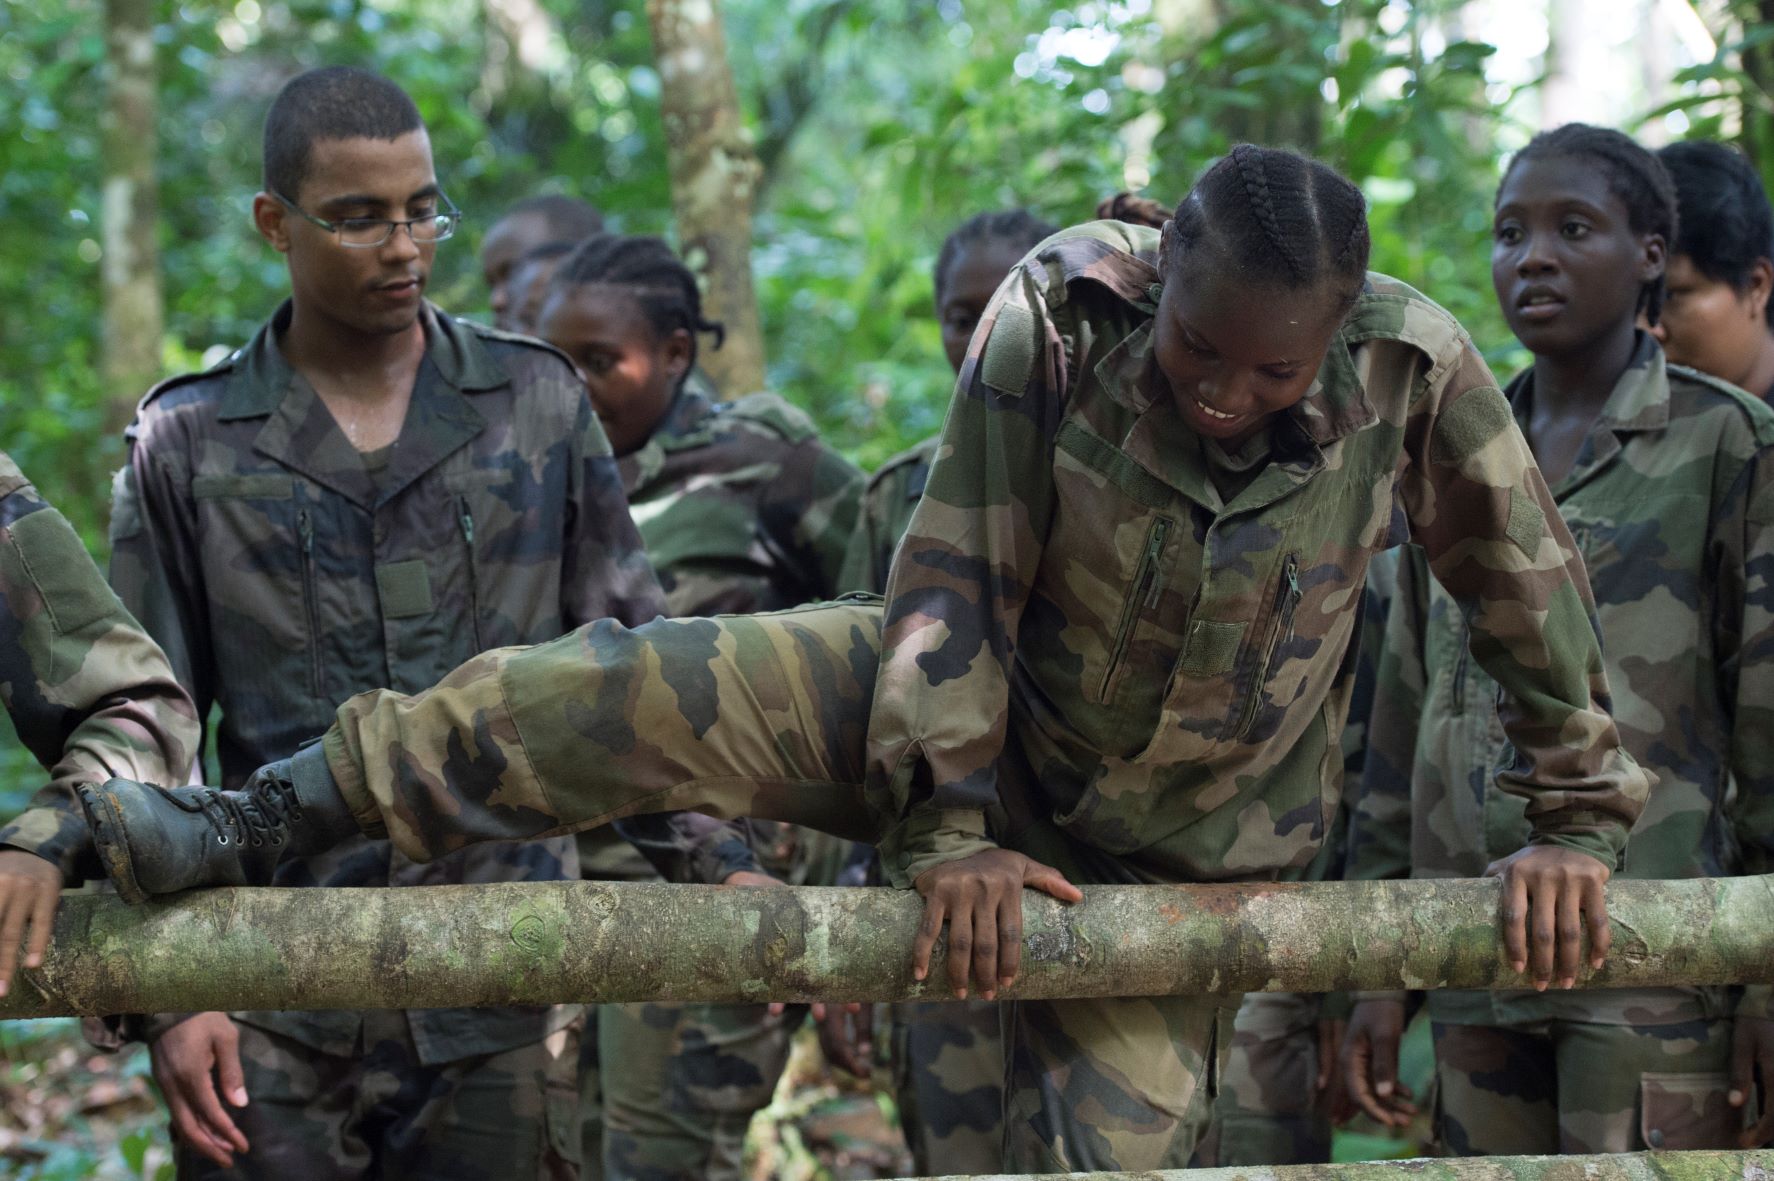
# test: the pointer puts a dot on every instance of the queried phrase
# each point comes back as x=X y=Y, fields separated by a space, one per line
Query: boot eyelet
x=222 y=839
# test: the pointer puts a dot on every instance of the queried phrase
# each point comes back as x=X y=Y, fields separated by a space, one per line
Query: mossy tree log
x=714 y=181
x=582 y=941
x=1636 y=1166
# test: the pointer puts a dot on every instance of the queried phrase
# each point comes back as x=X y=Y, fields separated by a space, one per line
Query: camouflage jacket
x=282 y=577
x=742 y=509
x=1078 y=622
x=1671 y=501
x=90 y=695
x=887 y=504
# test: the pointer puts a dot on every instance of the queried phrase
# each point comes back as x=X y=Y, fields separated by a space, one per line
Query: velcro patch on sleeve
x=1212 y=647
x=404 y=588
x=1463 y=429
x=1527 y=523
x=1010 y=350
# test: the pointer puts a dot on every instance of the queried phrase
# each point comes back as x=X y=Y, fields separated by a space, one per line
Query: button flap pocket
x=1679 y=1111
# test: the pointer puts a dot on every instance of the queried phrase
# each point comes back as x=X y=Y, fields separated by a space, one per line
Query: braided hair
x=1280 y=217
x=649 y=270
x=1634 y=175
x=1018 y=228
x=1724 y=221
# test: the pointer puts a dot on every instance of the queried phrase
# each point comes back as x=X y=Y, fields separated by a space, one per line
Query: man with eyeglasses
x=365 y=495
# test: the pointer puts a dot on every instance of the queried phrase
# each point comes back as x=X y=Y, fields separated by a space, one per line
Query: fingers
x=960 y=950
x=229 y=1076
x=1049 y=880
x=985 y=944
x=1010 y=940
x=15 y=912
x=1743 y=1062
x=1595 y=910
x=1515 y=921
x=1569 y=926
x=928 y=930
x=1759 y=1056
x=1330 y=1043
x=42 y=923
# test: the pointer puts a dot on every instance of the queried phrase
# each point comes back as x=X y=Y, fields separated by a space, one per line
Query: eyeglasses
x=365 y=233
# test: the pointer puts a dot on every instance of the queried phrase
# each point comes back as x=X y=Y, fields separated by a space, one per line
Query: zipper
x=1148 y=586
x=1464 y=653
x=466 y=519
x=305 y=532
x=1287 y=598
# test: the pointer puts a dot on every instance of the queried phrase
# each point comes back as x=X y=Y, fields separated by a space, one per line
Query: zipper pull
x=1293 y=577
x=1154 y=554
x=466 y=519
x=305 y=530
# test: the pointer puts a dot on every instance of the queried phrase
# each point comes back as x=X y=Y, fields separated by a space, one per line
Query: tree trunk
x=714 y=179
x=1637 y=1166
x=533 y=943
x=134 y=314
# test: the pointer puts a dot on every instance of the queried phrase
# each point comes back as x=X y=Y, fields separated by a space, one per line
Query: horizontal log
x=540 y=942
x=1636 y=1166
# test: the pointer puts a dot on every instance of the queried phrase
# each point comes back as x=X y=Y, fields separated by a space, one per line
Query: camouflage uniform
x=1268 y=1111
x=1670 y=500
x=893 y=493
x=947 y=1057
x=1149 y=681
x=90 y=695
x=283 y=572
x=742 y=509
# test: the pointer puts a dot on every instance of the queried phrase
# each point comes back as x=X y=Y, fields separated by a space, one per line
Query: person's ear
x=677 y=353
x=1656 y=257
x=271 y=219
x=1761 y=286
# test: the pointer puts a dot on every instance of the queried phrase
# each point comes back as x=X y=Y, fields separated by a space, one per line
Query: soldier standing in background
x=532 y=223
x=367 y=494
x=742 y=509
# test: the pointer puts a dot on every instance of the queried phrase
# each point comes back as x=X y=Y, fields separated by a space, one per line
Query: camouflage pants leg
x=948 y=1076
x=684 y=1083
x=1267 y=1111
x=1578 y=1087
x=767 y=716
x=382 y=1113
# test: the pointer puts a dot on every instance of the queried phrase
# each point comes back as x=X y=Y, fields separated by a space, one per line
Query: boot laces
x=257 y=815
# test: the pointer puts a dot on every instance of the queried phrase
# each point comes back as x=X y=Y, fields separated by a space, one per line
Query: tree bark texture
x=444 y=946
x=714 y=181
x=1637 y=1166
x=134 y=309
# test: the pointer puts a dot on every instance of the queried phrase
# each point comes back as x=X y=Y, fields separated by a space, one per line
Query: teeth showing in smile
x=1535 y=301
x=1212 y=413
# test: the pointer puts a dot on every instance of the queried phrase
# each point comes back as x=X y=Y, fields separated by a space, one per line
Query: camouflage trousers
x=761 y=715
x=381 y=1113
x=948 y=1076
x=1268 y=1110
x=1576 y=1087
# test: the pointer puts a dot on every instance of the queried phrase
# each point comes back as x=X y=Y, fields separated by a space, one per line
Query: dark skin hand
x=1551 y=895
x=1752 y=1056
x=196 y=1063
x=30 y=890
x=1329 y=1084
x=1369 y=1066
x=847 y=1037
x=980 y=898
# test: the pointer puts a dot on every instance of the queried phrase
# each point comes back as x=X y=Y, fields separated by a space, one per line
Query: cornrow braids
x=1018 y=228
x=1723 y=217
x=1634 y=175
x=651 y=271
x=1280 y=217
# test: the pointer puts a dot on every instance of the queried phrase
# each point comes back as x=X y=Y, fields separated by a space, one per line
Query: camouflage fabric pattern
x=282 y=575
x=948 y=1077
x=380 y=1111
x=1578 y=1087
x=742 y=508
x=1671 y=500
x=887 y=504
x=1079 y=626
x=89 y=694
x=1268 y=1111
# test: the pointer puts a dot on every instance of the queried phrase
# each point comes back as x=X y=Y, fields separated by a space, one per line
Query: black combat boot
x=159 y=840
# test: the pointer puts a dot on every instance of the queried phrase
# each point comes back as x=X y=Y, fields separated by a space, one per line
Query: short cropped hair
x=336 y=102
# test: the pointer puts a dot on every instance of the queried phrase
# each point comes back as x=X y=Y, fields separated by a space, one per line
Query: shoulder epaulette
x=1390 y=310
x=225 y=365
x=505 y=336
x=1757 y=411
